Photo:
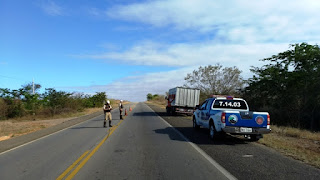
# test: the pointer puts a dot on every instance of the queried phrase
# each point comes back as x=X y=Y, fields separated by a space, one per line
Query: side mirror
x=166 y=98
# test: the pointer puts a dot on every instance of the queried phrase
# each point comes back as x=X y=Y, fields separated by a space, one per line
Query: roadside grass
x=27 y=124
x=57 y=116
x=161 y=102
x=299 y=144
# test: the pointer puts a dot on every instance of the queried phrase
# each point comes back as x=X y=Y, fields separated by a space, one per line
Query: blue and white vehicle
x=231 y=115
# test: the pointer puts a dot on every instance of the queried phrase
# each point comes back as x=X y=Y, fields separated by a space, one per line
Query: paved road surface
x=143 y=146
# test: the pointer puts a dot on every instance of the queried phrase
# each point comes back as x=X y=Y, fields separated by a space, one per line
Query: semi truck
x=182 y=100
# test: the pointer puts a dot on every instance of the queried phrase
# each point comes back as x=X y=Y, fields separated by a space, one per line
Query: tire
x=212 y=131
x=173 y=111
x=254 y=137
x=168 y=110
x=195 y=125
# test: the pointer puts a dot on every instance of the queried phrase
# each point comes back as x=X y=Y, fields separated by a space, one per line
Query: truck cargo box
x=184 y=97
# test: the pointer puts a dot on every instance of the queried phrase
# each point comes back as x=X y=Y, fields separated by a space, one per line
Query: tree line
x=23 y=102
x=288 y=86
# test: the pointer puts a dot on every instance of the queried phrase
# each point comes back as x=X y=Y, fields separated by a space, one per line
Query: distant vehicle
x=231 y=115
x=182 y=100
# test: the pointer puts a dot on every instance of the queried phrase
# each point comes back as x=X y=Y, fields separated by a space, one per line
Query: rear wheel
x=212 y=131
x=168 y=110
x=254 y=137
x=195 y=125
x=173 y=111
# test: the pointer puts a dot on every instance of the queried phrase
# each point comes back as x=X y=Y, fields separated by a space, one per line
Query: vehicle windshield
x=229 y=104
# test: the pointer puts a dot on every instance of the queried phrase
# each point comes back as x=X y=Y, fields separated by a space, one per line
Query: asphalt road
x=143 y=146
x=243 y=159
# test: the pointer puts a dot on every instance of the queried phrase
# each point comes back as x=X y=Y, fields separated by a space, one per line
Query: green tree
x=12 y=103
x=215 y=80
x=289 y=86
x=56 y=100
x=31 y=100
x=149 y=96
x=98 y=99
x=3 y=109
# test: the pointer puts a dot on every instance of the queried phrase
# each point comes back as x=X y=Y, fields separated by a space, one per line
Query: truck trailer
x=182 y=100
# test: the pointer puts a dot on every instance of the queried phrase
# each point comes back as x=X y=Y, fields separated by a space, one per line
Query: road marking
x=204 y=154
x=247 y=155
x=72 y=166
x=82 y=163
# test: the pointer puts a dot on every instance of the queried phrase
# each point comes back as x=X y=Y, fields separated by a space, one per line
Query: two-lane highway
x=142 y=146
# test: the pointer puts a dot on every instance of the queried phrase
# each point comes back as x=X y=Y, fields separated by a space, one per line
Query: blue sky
x=131 y=48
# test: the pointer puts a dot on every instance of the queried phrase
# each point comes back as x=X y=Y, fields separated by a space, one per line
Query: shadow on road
x=97 y=120
x=200 y=136
x=170 y=132
x=162 y=114
x=144 y=114
x=87 y=127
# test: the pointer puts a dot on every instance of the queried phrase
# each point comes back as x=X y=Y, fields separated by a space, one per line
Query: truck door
x=206 y=112
x=201 y=111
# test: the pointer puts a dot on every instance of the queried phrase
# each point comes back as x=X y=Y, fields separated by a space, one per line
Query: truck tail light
x=229 y=98
x=268 y=119
x=223 y=117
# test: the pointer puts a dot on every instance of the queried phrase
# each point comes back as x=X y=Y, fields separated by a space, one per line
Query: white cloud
x=51 y=8
x=242 y=32
x=136 y=88
x=94 y=11
x=187 y=57
x=193 y=54
x=238 y=21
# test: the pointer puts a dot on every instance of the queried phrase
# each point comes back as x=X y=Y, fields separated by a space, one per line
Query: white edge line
x=44 y=137
x=204 y=154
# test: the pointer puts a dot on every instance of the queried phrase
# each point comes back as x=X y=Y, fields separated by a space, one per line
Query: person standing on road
x=107 y=113
x=120 y=108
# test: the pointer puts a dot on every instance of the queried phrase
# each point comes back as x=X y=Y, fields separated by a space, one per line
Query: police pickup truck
x=231 y=115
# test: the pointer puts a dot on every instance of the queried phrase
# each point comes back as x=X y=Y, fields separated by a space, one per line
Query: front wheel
x=195 y=125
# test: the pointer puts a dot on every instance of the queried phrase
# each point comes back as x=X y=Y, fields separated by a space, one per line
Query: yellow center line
x=76 y=170
x=71 y=167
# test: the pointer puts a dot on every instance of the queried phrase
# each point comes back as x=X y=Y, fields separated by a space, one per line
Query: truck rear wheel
x=254 y=137
x=173 y=111
x=195 y=125
x=168 y=110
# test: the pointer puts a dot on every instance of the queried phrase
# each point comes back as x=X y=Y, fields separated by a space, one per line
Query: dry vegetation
x=160 y=101
x=300 y=144
x=20 y=126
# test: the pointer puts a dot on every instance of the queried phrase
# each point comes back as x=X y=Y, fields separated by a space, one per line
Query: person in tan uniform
x=107 y=113
x=121 y=109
